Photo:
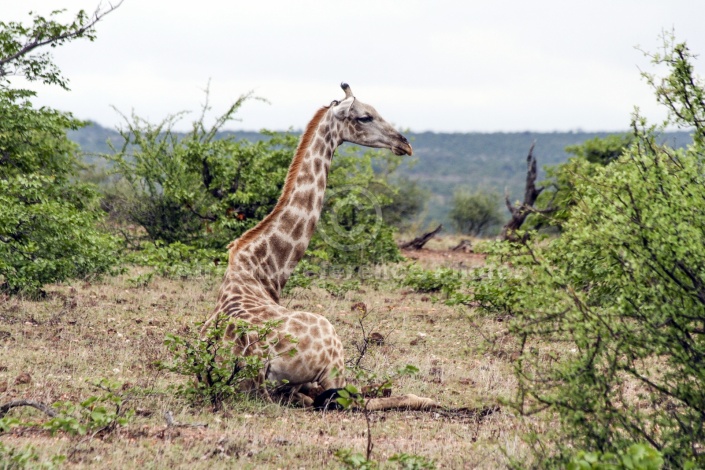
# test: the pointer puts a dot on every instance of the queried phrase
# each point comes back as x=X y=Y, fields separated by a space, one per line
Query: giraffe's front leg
x=301 y=399
x=333 y=376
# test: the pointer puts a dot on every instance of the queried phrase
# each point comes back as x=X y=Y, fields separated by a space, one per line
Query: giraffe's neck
x=271 y=250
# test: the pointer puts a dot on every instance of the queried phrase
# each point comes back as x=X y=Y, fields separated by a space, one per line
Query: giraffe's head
x=361 y=124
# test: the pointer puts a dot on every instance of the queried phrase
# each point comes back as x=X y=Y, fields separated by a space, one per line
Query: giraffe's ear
x=342 y=110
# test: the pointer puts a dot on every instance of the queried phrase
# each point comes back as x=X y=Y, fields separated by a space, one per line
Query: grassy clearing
x=86 y=332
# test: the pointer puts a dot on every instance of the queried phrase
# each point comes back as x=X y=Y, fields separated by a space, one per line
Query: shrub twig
x=34 y=404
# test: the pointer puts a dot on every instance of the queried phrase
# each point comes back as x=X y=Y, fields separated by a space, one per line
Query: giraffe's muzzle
x=403 y=147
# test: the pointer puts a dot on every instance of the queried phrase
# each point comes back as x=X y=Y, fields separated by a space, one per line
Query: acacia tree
x=407 y=200
x=475 y=213
x=609 y=316
x=20 y=44
x=47 y=220
x=203 y=189
x=557 y=196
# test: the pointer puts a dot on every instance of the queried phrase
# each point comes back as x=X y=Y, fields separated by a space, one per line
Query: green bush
x=356 y=461
x=609 y=316
x=220 y=371
x=205 y=189
x=475 y=213
x=407 y=200
x=48 y=233
x=636 y=457
x=446 y=281
x=559 y=197
x=48 y=220
x=178 y=261
x=98 y=413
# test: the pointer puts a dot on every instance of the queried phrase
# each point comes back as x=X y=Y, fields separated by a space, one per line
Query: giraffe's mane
x=289 y=183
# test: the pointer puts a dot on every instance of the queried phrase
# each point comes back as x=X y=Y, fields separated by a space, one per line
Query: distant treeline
x=442 y=162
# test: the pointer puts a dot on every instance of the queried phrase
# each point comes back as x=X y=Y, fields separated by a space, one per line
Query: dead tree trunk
x=521 y=211
x=464 y=245
x=418 y=242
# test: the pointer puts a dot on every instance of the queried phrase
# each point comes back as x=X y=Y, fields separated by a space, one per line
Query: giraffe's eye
x=364 y=119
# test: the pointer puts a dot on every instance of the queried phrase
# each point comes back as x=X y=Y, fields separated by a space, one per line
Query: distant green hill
x=491 y=161
x=442 y=161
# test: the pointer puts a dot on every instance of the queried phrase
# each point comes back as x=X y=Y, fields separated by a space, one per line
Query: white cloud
x=444 y=65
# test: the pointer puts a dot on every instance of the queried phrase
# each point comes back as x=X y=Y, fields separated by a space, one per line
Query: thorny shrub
x=215 y=368
x=608 y=316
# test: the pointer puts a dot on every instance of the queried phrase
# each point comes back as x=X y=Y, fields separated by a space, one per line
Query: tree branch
x=418 y=242
x=531 y=193
x=34 y=404
x=36 y=42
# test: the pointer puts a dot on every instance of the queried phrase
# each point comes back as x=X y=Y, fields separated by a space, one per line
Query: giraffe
x=262 y=259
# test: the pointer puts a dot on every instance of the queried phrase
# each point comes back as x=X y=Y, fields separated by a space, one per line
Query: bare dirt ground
x=452 y=259
x=439 y=252
x=53 y=350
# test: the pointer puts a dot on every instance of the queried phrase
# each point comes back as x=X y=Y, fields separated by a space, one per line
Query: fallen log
x=418 y=242
x=465 y=245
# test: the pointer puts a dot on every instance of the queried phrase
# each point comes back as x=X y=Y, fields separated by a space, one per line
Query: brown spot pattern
x=287 y=218
x=321 y=183
x=303 y=199
x=298 y=230
x=305 y=177
x=289 y=184
x=311 y=228
x=260 y=261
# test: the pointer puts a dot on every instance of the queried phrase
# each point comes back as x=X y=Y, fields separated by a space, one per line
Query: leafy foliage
x=680 y=91
x=356 y=461
x=47 y=220
x=609 y=315
x=219 y=369
x=47 y=234
x=412 y=462
x=559 y=197
x=475 y=213
x=195 y=188
x=443 y=280
x=601 y=151
x=98 y=413
x=15 y=459
x=177 y=260
x=407 y=201
x=18 y=43
x=339 y=289
x=204 y=189
x=636 y=457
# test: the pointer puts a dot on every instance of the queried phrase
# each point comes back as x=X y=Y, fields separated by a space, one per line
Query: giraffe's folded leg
x=402 y=402
x=301 y=399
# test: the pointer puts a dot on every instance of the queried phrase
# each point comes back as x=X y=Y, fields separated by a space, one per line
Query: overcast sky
x=440 y=65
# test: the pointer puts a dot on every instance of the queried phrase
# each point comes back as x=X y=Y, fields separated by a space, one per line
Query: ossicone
x=346 y=89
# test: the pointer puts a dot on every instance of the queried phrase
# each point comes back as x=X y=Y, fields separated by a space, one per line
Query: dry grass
x=82 y=333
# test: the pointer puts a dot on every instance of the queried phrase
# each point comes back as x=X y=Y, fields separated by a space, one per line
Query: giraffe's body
x=262 y=259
